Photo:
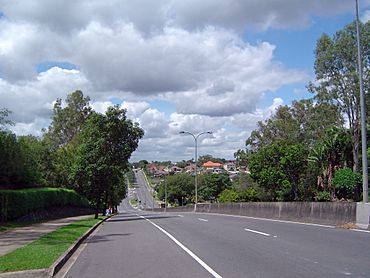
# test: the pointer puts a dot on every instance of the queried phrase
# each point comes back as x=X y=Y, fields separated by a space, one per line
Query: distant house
x=213 y=167
x=190 y=169
x=151 y=168
x=230 y=166
x=210 y=165
x=160 y=171
x=175 y=169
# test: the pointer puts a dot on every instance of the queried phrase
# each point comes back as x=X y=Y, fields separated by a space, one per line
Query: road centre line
x=183 y=247
x=201 y=219
x=257 y=232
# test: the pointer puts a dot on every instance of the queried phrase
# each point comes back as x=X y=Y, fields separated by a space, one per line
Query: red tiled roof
x=210 y=164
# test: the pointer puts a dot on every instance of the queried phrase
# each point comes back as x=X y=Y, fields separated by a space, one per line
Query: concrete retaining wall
x=314 y=212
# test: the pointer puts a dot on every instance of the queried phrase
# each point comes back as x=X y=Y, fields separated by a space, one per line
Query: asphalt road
x=141 y=244
x=143 y=193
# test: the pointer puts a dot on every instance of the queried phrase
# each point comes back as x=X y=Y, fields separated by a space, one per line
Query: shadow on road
x=133 y=217
x=108 y=237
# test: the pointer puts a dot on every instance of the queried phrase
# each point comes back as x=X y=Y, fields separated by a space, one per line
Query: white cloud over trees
x=192 y=54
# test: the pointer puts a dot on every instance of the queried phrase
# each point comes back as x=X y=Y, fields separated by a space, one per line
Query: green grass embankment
x=43 y=252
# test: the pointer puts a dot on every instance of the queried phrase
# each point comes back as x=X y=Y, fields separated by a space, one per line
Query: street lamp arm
x=189 y=133
x=206 y=132
x=195 y=136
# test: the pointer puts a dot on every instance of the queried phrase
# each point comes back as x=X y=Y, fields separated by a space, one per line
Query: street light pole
x=165 y=194
x=365 y=181
x=153 y=200
x=196 y=161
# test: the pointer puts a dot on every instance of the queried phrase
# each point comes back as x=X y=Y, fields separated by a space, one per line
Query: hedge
x=16 y=203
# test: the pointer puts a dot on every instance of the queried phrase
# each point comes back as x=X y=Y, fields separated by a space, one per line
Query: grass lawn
x=43 y=252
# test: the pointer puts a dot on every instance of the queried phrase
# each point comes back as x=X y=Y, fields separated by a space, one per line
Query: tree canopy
x=68 y=121
x=106 y=143
x=337 y=81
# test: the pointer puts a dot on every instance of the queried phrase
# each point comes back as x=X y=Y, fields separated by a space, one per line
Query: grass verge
x=11 y=225
x=43 y=252
x=134 y=201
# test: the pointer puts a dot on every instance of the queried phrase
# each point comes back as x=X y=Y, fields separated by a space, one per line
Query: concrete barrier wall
x=314 y=212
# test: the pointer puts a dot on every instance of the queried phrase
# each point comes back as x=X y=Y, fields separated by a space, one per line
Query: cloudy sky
x=210 y=65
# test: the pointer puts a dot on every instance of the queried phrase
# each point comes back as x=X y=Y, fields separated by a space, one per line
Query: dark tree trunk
x=96 y=212
x=356 y=149
x=97 y=208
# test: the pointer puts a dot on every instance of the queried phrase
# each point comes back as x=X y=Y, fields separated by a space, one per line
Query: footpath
x=18 y=237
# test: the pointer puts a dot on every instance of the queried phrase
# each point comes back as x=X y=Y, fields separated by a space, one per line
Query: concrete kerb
x=58 y=264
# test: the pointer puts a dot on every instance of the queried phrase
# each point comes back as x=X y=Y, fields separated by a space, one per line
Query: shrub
x=345 y=182
x=16 y=203
x=323 y=196
x=228 y=196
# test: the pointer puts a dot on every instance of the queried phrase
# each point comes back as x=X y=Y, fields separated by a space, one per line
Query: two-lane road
x=143 y=193
x=140 y=244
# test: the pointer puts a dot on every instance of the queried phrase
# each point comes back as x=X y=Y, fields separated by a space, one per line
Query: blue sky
x=172 y=64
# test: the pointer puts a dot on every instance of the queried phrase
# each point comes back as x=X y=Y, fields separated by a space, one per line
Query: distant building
x=213 y=167
x=190 y=169
x=175 y=169
x=210 y=165
x=230 y=166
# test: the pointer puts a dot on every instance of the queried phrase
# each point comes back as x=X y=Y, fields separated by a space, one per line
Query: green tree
x=180 y=188
x=279 y=169
x=4 y=121
x=330 y=153
x=11 y=159
x=204 y=158
x=106 y=143
x=68 y=121
x=229 y=195
x=337 y=80
x=31 y=149
x=211 y=185
x=345 y=182
x=302 y=122
x=241 y=158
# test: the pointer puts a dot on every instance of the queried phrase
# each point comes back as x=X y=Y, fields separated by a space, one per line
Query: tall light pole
x=165 y=194
x=365 y=181
x=196 y=161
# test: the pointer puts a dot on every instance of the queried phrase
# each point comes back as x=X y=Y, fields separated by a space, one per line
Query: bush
x=228 y=196
x=345 y=182
x=323 y=196
x=16 y=203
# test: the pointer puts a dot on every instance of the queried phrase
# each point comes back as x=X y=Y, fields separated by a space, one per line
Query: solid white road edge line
x=183 y=247
x=362 y=231
x=201 y=219
x=257 y=232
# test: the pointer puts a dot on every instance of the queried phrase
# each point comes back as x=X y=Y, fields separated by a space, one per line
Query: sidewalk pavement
x=18 y=237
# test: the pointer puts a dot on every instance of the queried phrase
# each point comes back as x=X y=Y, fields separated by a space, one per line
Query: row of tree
x=306 y=151
x=310 y=150
x=180 y=187
x=82 y=150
